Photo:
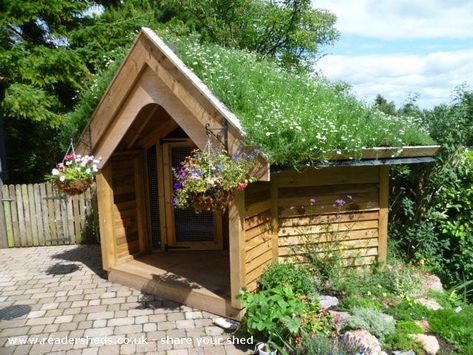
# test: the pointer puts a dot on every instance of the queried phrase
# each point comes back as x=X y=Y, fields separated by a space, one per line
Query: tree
x=51 y=52
x=291 y=31
x=388 y=107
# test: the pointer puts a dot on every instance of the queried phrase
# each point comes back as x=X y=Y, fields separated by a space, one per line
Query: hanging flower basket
x=216 y=202
x=207 y=180
x=75 y=174
x=74 y=187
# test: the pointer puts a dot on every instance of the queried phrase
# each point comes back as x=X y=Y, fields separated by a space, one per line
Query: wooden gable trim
x=153 y=74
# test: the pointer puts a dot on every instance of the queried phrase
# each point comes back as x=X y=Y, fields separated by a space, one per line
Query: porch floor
x=199 y=279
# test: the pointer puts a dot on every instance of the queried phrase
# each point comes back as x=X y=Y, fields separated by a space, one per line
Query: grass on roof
x=294 y=118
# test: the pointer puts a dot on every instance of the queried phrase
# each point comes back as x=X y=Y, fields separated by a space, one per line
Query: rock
x=327 y=302
x=410 y=352
x=429 y=343
x=429 y=303
x=432 y=283
x=424 y=324
x=363 y=341
x=339 y=319
x=225 y=323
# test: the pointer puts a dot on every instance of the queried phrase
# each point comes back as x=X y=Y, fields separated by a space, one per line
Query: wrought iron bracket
x=220 y=134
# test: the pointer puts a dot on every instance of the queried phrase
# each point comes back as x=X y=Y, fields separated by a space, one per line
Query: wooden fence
x=36 y=215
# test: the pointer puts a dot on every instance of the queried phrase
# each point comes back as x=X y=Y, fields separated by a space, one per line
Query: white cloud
x=433 y=76
x=402 y=19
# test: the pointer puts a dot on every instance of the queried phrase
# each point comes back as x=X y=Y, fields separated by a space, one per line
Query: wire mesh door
x=190 y=229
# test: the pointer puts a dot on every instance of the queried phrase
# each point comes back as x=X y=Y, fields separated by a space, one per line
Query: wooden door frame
x=167 y=216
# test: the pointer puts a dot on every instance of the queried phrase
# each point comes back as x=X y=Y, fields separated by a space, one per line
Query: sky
x=400 y=48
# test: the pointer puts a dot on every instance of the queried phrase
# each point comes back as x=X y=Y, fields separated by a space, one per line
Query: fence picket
x=14 y=216
x=45 y=214
x=8 y=218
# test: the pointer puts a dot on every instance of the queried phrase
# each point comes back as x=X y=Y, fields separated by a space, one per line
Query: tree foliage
x=53 y=55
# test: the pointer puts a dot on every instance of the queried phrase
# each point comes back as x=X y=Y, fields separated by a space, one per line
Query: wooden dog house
x=152 y=115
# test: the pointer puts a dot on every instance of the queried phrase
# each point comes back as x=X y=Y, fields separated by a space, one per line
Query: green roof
x=294 y=118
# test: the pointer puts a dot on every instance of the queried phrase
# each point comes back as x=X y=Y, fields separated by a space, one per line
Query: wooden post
x=105 y=207
x=275 y=219
x=236 y=228
x=383 y=212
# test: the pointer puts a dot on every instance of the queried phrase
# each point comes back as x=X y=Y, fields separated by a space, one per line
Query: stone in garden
x=432 y=283
x=429 y=343
x=327 y=302
x=424 y=324
x=429 y=303
x=363 y=340
x=339 y=319
x=410 y=352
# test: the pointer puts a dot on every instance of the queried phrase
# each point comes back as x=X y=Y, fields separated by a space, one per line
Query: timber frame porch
x=199 y=279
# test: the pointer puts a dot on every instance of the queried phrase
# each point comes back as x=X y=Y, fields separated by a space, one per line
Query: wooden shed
x=153 y=114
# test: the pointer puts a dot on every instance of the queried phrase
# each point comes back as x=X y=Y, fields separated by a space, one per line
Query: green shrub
x=288 y=274
x=372 y=320
x=409 y=327
x=321 y=345
x=273 y=313
x=408 y=310
x=400 y=339
x=356 y=301
x=456 y=328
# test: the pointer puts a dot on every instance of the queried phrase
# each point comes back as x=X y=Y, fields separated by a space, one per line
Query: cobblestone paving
x=58 y=293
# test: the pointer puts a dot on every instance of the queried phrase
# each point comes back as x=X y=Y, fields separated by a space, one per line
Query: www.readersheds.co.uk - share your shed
x=155 y=111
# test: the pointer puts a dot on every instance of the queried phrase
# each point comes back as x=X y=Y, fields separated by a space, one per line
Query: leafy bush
x=321 y=345
x=400 y=339
x=288 y=274
x=456 y=328
x=372 y=320
x=408 y=310
x=356 y=301
x=435 y=225
x=273 y=313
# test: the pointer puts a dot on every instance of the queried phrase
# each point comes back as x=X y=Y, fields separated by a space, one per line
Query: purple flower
x=339 y=202
x=175 y=202
x=312 y=201
x=182 y=173
x=177 y=186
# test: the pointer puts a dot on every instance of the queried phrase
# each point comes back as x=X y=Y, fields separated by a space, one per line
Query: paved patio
x=56 y=300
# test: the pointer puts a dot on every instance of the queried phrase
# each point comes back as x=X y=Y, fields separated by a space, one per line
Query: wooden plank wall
x=258 y=232
x=37 y=215
x=308 y=212
x=124 y=213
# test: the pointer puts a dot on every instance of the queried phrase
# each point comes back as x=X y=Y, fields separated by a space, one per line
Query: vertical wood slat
x=70 y=220
x=76 y=216
x=7 y=209
x=383 y=212
x=14 y=216
x=39 y=214
x=3 y=212
x=21 y=218
x=44 y=214
x=51 y=214
x=33 y=215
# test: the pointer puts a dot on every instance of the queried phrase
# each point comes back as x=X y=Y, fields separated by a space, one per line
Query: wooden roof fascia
x=388 y=153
